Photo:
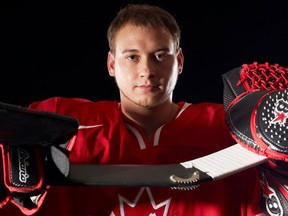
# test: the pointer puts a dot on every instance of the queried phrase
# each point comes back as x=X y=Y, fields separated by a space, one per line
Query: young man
x=146 y=127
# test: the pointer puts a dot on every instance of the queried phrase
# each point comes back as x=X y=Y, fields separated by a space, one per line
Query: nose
x=147 y=68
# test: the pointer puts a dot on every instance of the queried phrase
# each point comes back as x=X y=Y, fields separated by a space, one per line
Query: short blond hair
x=144 y=15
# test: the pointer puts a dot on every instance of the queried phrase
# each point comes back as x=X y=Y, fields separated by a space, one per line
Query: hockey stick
x=185 y=175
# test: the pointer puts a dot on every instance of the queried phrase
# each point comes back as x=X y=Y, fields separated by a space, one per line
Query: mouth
x=148 y=87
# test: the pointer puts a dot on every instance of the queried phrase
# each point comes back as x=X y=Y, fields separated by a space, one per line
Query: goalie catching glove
x=256 y=104
x=31 y=142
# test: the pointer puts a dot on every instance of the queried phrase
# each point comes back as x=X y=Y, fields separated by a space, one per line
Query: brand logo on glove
x=280 y=112
x=23 y=163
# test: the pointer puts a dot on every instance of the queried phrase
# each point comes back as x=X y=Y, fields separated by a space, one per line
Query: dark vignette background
x=59 y=48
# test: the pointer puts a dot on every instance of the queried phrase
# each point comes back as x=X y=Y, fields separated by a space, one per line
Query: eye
x=132 y=57
x=161 y=56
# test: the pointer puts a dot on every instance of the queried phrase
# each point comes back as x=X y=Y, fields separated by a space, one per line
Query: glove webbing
x=253 y=77
x=263 y=77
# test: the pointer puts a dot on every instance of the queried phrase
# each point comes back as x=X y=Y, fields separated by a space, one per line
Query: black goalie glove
x=256 y=104
x=31 y=142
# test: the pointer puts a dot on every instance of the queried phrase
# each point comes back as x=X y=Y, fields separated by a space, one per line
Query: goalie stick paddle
x=18 y=127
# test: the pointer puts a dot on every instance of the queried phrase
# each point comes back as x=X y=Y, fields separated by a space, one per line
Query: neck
x=150 y=119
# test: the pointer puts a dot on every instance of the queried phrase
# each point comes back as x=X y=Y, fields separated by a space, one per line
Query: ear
x=111 y=64
x=180 y=59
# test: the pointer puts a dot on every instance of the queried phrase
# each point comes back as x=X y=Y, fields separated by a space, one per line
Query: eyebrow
x=136 y=50
x=129 y=50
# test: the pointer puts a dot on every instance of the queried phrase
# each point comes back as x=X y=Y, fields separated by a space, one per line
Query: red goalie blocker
x=28 y=141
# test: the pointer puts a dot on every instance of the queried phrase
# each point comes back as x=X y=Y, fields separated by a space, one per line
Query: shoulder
x=75 y=106
x=205 y=108
x=205 y=116
x=64 y=101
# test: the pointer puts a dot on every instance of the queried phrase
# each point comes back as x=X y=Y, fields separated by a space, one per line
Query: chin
x=149 y=103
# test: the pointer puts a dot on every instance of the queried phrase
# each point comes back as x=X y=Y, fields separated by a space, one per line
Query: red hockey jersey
x=106 y=136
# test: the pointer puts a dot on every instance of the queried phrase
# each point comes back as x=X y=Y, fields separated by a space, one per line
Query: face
x=145 y=65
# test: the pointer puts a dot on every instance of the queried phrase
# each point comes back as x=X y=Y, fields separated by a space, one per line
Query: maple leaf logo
x=144 y=203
